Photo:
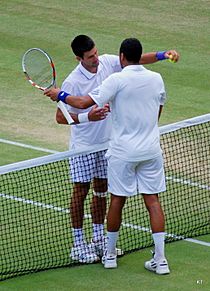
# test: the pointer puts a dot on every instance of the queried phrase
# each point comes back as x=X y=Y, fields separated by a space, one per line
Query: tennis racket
x=40 y=71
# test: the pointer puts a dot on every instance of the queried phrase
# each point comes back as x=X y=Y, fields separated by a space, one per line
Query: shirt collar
x=88 y=74
x=134 y=68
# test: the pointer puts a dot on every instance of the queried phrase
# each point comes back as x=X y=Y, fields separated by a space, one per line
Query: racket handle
x=68 y=117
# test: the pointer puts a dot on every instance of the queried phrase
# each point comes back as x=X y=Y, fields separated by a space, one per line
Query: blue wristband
x=62 y=96
x=160 y=55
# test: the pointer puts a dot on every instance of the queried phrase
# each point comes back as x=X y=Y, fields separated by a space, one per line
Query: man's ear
x=122 y=57
x=78 y=59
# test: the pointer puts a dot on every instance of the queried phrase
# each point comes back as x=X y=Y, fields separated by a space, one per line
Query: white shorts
x=130 y=178
x=86 y=167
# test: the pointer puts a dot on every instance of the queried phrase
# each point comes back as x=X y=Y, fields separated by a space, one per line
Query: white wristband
x=83 y=117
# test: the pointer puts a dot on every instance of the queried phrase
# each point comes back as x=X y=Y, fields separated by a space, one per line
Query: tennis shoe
x=99 y=247
x=160 y=267
x=110 y=261
x=84 y=254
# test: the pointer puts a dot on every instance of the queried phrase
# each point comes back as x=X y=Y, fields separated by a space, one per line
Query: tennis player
x=90 y=73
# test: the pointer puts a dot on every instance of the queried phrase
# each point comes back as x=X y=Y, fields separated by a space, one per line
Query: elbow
x=59 y=117
x=58 y=120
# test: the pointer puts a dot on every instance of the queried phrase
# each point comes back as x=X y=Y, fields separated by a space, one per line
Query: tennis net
x=35 y=197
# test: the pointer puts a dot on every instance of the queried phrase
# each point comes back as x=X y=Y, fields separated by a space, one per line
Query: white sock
x=78 y=236
x=112 y=238
x=98 y=232
x=159 y=241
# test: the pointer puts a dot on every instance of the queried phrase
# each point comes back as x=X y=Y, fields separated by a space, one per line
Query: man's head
x=130 y=51
x=85 y=51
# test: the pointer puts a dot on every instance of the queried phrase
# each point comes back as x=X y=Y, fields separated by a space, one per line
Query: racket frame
x=60 y=104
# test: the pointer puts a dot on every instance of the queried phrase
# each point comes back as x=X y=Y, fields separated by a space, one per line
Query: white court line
x=188 y=182
x=39 y=204
x=28 y=146
x=87 y=216
x=47 y=206
x=198 y=242
x=176 y=180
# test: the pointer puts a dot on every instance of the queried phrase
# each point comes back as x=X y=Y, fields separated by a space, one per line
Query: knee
x=100 y=194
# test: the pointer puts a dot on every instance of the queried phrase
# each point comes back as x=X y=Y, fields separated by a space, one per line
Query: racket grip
x=68 y=117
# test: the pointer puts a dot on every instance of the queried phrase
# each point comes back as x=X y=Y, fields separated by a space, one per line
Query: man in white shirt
x=90 y=73
x=135 y=163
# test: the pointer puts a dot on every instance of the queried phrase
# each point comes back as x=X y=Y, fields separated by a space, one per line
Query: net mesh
x=35 y=217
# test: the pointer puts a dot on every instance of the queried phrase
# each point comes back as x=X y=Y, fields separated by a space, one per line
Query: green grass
x=28 y=117
x=189 y=272
x=13 y=153
x=34 y=228
x=51 y=25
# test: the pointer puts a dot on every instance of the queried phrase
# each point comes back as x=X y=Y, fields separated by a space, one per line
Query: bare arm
x=60 y=118
x=95 y=114
x=81 y=102
x=150 y=58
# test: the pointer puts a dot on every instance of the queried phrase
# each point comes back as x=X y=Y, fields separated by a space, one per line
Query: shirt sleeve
x=68 y=88
x=72 y=90
x=162 y=97
x=105 y=92
x=113 y=61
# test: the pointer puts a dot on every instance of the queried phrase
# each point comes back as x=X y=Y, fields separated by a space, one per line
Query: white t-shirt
x=134 y=95
x=79 y=83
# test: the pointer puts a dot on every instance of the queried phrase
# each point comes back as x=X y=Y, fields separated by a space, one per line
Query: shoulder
x=115 y=76
x=111 y=61
x=152 y=74
x=108 y=58
x=74 y=74
x=72 y=82
x=157 y=80
x=73 y=77
x=113 y=81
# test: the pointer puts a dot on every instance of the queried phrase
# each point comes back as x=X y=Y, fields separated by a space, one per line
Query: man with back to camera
x=90 y=73
x=135 y=163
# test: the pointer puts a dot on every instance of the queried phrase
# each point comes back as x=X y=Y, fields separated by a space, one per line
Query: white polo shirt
x=79 y=83
x=135 y=95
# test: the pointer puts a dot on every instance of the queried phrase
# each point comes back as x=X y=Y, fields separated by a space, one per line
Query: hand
x=52 y=93
x=173 y=55
x=107 y=107
x=98 y=113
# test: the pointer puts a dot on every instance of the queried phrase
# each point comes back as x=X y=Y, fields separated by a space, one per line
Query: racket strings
x=39 y=69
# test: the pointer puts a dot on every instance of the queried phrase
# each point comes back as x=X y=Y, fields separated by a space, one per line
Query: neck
x=90 y=69
x=125 y=64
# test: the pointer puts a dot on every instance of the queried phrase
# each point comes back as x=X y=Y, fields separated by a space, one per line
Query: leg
x=80 y=192
x=114 y=219
x=81 y=173
x=114 y=216
x=122 y=180
x=98 y=212
x=81 y=251
x=157 y=220
x=159 y=263
x=98 y=206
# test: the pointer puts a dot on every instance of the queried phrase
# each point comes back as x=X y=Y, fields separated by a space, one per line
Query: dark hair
x=81 y=44
x=132 y=49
